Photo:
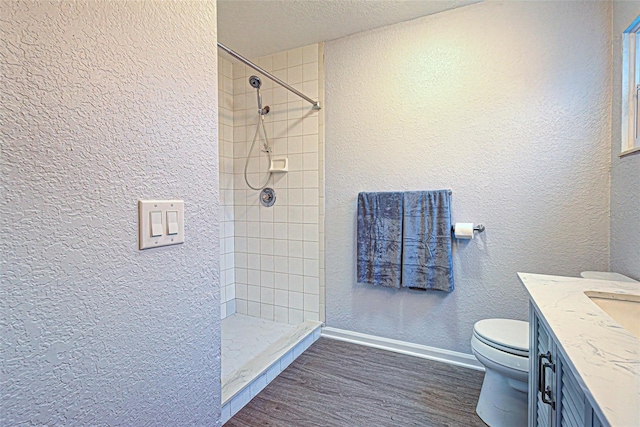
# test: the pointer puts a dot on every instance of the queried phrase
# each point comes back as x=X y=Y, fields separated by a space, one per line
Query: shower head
x=255 y=82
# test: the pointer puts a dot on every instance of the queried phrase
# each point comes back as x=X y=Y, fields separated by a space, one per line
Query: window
x=631 y=88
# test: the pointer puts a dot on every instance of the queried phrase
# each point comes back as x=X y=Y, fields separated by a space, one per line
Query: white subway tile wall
x=278 y=251
x=321 y=282
x=227 y=212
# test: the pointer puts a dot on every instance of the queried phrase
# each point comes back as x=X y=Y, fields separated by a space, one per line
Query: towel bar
x=478 y=228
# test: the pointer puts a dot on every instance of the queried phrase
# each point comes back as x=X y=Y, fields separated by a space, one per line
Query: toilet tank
x=606 y=275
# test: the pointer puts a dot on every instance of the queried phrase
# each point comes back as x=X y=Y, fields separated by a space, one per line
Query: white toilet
x=502 y=346
x=606 y=275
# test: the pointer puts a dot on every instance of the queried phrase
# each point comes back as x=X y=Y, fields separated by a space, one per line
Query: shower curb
x=233 y=404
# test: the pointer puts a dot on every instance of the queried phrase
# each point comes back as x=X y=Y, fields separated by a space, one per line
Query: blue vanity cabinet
x=556 y=398
x=542 y=373
x=574 y=410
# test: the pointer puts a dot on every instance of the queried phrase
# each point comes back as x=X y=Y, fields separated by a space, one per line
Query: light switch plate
x=145 y=207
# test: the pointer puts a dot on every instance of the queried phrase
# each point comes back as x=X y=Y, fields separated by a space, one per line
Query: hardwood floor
x=340 y=384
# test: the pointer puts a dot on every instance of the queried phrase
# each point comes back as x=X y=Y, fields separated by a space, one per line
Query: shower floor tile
x=245 y=337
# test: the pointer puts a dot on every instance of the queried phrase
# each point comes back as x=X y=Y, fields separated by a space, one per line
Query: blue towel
x=380 y=238
x=426 y=241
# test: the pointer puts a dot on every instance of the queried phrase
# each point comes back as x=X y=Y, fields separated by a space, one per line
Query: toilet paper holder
x=478 y=228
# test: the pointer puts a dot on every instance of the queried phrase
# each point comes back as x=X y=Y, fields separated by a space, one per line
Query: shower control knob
x=267 y=197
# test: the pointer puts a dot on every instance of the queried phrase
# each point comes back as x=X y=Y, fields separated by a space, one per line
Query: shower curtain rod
x=316 y=104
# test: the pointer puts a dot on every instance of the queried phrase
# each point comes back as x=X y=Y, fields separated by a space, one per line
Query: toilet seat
x=488 y=356
x=507 y=335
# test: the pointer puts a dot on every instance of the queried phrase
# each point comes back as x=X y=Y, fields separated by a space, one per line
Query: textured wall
x=507 y=104
x=277 y=249
x=104 y=103
x=625 y=171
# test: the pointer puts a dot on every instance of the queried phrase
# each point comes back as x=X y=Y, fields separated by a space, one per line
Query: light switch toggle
x=172 y=222
x=156 y=223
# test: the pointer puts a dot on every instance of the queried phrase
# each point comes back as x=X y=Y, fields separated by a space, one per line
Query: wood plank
x=342 y=384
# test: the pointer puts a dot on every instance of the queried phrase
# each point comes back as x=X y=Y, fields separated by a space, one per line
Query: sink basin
x=623 y=308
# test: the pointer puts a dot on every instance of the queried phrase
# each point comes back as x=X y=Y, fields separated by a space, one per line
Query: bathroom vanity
x=584 y=358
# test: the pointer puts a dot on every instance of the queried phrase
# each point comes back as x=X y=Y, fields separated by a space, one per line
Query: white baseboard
x=417 y=350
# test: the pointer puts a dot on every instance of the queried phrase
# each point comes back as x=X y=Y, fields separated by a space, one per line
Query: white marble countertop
x=604 y=356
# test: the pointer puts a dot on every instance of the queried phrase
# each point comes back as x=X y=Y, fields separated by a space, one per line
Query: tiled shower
x=272 y=258
x=225 y=155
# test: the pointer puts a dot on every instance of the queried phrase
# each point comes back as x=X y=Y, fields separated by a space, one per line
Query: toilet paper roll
x=463 y=230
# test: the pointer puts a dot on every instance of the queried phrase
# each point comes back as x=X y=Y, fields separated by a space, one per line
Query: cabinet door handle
x=541 y=381
x=546 y=390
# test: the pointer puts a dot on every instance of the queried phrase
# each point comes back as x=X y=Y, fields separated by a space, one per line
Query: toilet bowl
x=502 y=346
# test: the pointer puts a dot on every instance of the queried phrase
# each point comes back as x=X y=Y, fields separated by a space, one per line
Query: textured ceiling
x=256 y=28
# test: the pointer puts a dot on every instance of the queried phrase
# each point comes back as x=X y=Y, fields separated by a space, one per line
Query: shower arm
x=316 y=104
